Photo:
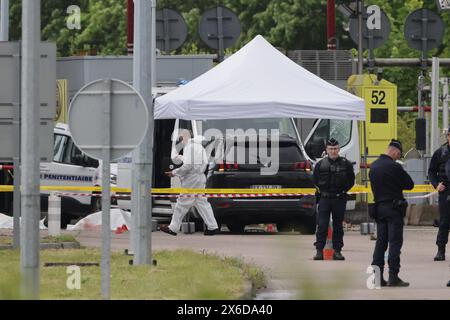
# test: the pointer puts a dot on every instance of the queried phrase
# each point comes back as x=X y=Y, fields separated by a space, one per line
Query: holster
x=373 y=213
x=400 y=205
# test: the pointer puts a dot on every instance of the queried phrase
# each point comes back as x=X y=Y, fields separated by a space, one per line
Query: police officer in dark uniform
x=438 y=173
x=388 y=180
x=333 y=177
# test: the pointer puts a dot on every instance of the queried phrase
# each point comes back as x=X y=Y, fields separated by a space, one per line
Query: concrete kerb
x=70 y=245
x=45 y=246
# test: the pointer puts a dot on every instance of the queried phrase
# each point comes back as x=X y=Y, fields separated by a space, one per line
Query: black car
x=294 y=171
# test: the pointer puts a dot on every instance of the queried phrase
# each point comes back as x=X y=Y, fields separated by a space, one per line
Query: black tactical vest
x=332 y=175
x=445 y=156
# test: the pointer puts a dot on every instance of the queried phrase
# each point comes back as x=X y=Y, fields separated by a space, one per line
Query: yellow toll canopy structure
x=381 y=112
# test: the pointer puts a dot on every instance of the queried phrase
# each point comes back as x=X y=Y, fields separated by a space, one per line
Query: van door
x=344 y=131
x=70 y=167
x=162 y=148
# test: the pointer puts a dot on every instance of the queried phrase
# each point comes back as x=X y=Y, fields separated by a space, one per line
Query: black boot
x=440 y=256
x=337 y=255
x=211 y=232
x=166 y=229
x=395 y=281
x=319 y=255
x=383 y=282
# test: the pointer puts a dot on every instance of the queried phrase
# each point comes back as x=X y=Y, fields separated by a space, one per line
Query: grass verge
x=180 y=274
x=7 y=240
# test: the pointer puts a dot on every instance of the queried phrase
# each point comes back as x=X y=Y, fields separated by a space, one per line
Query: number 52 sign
x=380 y=97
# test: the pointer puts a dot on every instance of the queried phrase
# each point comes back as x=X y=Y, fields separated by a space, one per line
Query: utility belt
x=400 y=205
x=333 y=195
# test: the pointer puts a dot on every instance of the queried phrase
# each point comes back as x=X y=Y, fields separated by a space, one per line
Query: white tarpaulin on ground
x=93 y=221
x=7 y=222
x=258 y=81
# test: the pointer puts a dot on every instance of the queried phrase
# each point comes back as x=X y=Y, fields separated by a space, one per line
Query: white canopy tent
x=258 y=81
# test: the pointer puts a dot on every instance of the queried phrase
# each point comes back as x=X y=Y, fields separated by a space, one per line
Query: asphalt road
x=287 y=260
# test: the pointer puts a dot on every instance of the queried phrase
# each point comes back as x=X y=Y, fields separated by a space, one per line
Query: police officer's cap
x=332 y=142
x=397 y=144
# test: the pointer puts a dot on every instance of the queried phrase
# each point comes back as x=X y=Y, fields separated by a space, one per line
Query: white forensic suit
x=192 y=175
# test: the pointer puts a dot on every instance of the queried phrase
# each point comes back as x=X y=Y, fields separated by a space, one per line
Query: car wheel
x=96 y=204
x=65 y=220
x=307 y=226
x=285 y=227
x=236 y=228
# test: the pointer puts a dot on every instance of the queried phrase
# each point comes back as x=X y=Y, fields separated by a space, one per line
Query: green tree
x=103 y=25
x=105 y=28
x=53 y=21
x=406 y=131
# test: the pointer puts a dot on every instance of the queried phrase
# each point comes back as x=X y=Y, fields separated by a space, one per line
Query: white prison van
x=71 y=167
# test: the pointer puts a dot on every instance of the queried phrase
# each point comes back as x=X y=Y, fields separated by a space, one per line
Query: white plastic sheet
x=119 y=218
x=7 y=222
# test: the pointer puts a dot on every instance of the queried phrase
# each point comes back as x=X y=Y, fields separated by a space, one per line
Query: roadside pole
x=106 y=195
x=30 y=196
x=143 y=155
x=153 y=68
x=445 y=104
x=4 y=36
x=4 y=20
x=360 y=9
x=434 y=141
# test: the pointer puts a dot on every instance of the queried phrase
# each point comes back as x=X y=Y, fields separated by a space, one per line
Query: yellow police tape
x=356 y=189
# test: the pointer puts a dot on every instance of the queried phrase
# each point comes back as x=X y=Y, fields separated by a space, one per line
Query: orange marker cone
x=328 y=251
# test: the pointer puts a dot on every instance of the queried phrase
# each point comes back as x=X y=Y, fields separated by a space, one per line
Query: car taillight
x=299 y=166
x=308 y=165
x=228 y=166
x=302 y=165
x=224 y=205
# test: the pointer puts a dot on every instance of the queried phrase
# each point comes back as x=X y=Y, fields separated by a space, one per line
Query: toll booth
x=381 y=113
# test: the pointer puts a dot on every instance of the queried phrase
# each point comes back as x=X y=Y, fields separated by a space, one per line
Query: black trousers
x=389 y=232
x=444 y=220
x=335 y=207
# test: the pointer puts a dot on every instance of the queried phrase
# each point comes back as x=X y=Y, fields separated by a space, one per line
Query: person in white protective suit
x=192 y=175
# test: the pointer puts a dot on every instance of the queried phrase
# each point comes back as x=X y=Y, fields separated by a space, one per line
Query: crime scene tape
x=196 y=195
x=212 y=193
x=428 y=195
